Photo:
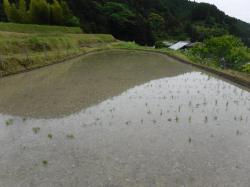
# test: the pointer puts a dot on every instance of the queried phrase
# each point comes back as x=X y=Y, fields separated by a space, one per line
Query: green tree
x=69 y=19
x=7 y=7
x=157 y=26
x=39 y=12
x=57 y=16
x=22 y=11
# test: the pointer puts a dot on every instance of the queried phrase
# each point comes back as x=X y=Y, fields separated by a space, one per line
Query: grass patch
x=32 y=28
x=24 y=47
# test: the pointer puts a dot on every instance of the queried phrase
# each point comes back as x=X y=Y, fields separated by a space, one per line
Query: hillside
x=147 y=21
x=143 y=21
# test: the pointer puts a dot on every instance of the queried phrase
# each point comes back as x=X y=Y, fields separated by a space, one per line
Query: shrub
x=226 y=47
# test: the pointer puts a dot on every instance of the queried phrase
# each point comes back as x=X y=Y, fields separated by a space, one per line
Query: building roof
x=179 y=45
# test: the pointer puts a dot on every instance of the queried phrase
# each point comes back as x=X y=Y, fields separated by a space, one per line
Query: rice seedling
x=206 y=119
x=189 y=140
x=9 y=122
x=237 y=132
x=70 y=136
x=45 y=162
x=190 y=119
x=36 y=130
x=50 y=136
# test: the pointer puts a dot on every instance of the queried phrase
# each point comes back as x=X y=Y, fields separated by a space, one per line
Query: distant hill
x=147 y=21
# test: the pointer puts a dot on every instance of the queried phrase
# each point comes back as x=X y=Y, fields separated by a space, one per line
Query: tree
x=57 y=16
x=157 y=26
x=39 y=12
x=22 y=11
x=227 y=47
x=7 y=7
x=69 y=19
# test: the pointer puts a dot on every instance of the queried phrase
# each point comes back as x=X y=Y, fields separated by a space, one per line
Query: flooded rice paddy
x=123 y=118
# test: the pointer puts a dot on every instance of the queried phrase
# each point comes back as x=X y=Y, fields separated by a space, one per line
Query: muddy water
x=123 y=119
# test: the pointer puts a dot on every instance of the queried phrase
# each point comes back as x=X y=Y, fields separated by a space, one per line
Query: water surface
x=123 y=119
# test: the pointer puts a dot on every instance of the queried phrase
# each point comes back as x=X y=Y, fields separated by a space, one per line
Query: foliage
x=143 y=21
x=159 y=44
x=40 y=12
x=246 y=68
x=227 y=50
x=157 y=26
x=56 y=13
x=172 y=18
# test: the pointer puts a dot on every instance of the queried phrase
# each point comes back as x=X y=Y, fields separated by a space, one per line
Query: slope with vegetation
x=24 y=47
x=143 y=21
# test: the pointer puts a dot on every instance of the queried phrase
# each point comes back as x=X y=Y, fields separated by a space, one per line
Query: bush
x=159 y=44
x=227 y=47
x=246 y=68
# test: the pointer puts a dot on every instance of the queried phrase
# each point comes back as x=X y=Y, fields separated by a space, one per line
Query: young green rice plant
x=9 y=122
x=50 y=136
x=70 y=136
x=36 y=130
x=206 y=119
x=45 y=162
x=190 y=119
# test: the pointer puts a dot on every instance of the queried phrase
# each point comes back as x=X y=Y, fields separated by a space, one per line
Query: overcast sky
x=235 y=8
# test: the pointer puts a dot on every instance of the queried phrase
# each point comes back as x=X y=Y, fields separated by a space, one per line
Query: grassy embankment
x=24 y=47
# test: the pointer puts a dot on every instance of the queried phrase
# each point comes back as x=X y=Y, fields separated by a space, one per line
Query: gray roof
x=179 y=45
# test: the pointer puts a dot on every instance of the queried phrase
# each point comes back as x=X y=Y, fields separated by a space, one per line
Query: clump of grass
x=36 y=130
x=189 y=119
x=9 y=122
x=237 y=132
x=206 y=119
x=45 y=162
x=70 y=136
x=50 y=136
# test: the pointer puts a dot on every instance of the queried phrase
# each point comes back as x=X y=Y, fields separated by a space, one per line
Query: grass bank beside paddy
x=25 y=47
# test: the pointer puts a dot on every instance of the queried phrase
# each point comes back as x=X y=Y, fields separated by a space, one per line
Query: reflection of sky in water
x=163 y=114
x=192 y=97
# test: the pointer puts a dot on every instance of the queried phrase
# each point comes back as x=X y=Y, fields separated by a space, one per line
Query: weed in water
x=238 y=132
x=45 y=162
x=9 y=122
x=70 y=136
x=189 y=140
x=189 y=119
x=206 y=119
x=50 y=136
x=36 y=130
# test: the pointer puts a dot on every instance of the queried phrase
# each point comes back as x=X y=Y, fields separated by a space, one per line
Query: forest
x=143 y=21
